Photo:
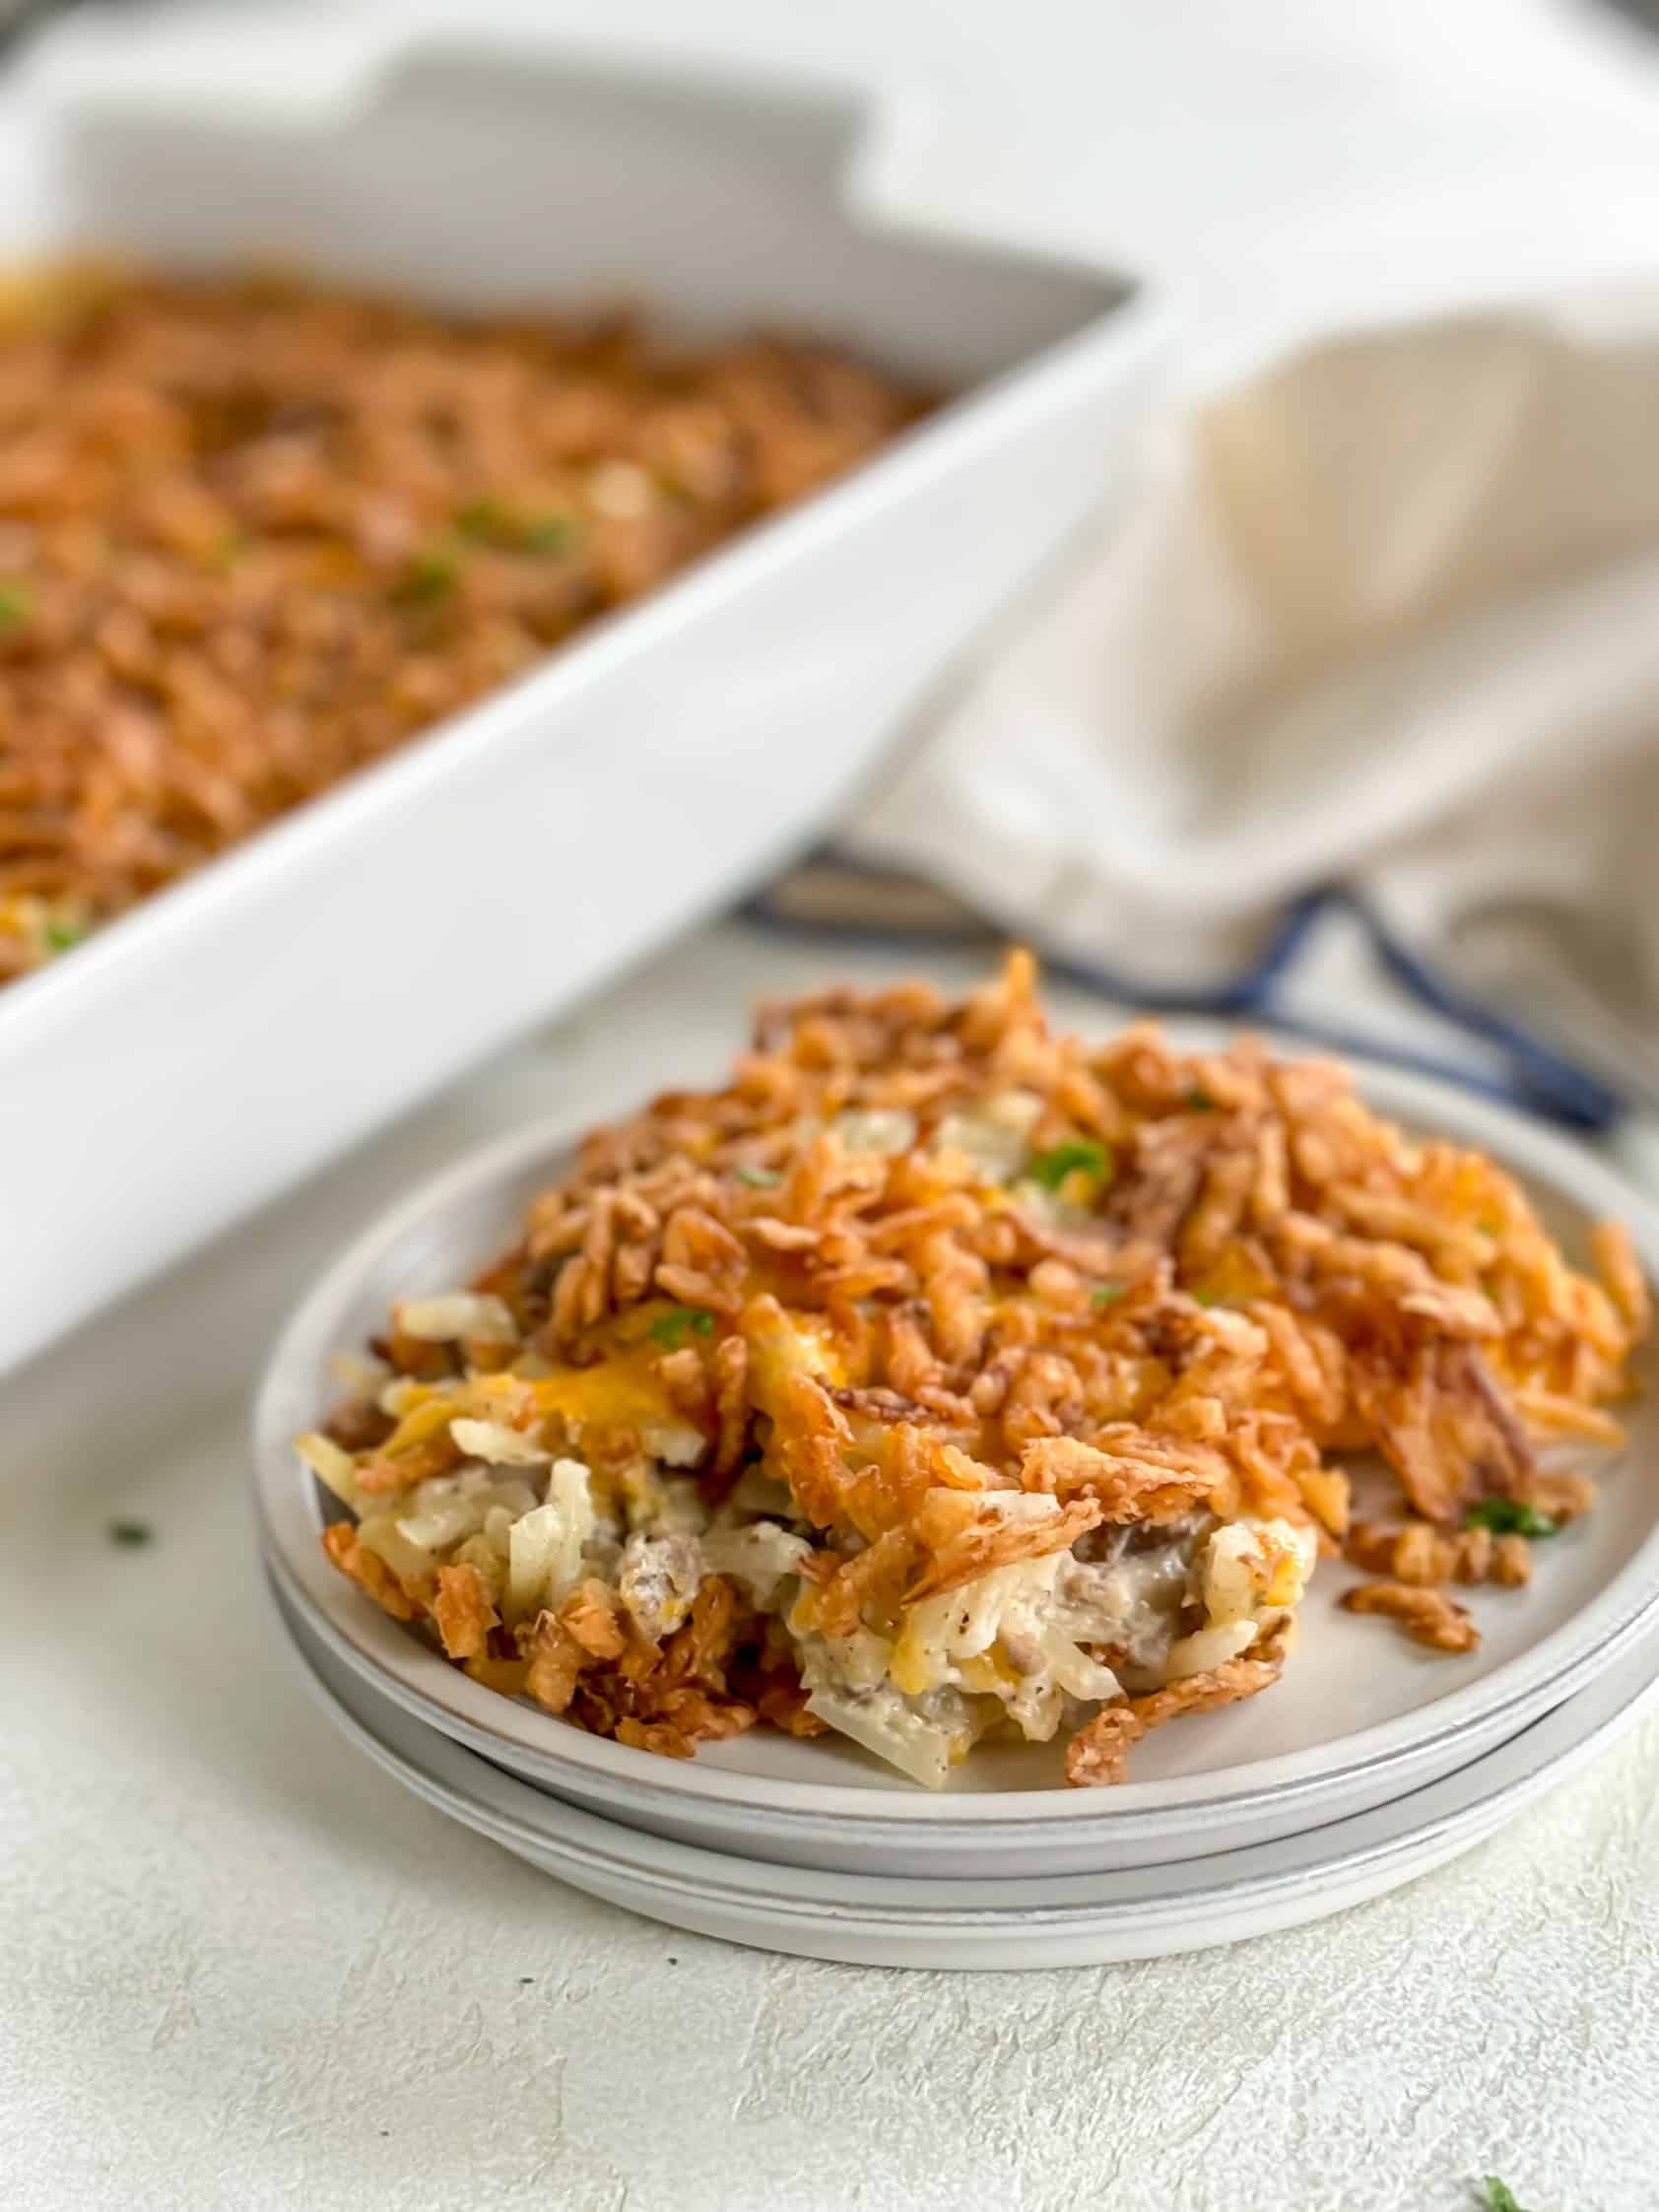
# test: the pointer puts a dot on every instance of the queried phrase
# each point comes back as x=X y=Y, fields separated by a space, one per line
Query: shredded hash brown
x=253 y=536
x=942 y=1375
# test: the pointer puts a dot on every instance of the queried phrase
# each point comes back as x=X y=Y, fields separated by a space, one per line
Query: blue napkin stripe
x=1555 y=1086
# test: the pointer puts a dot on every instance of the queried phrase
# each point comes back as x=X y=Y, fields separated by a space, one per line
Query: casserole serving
x=1362 y=1712
x=941 y=1377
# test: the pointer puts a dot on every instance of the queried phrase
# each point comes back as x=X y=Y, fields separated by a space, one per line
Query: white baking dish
x=208 y=1049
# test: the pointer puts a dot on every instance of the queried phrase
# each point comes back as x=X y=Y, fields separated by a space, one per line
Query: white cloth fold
x=1383 y=616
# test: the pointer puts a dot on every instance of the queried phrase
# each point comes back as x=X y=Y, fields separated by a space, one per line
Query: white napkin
x=1382 y=619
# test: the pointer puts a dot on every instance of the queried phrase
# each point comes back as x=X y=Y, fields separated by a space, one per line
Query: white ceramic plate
x=1015 y=1923
x=1360 y=1716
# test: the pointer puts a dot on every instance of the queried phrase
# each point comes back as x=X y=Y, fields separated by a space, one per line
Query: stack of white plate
x=1370 y=1762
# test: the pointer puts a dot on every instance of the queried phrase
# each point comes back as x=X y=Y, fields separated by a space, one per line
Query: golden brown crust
x=731 y=1410
x=1406 y=1552
x=1097 y=1756
x=462 y=1612
x=1511 y=1563
x=669 y=1699
x=686 y=1719
x=872 y=1581
x=1427 y=1617
x=1425 y=1558
x=1155 y=1481
x=967 y=1536
x=384 y=1475
x=782 y=1703
x=701 y=1650
x=590 y=1617
x=1556 y=1415
x=1098 y=1753
x=370 y=1572
x=1563 y=1496
x=1203 y=1693
x=556 y=1661
x=260 y=536
x=1615 y=1254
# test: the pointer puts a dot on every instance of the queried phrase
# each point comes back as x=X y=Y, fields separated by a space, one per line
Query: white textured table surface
x=240 y=1970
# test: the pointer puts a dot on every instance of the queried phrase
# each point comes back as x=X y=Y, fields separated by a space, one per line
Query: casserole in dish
x=214 y=1045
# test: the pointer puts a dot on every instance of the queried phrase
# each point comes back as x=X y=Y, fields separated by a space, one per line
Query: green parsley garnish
x=491 y=522
x=670 y=1328
x=549 y=533
x=1508 y=1517
x=130 y=1533
x=1497 y=2196
x=1208 y=1297
x=482 y=518
x=757 y=1179
x=1201 y=1102
x=61 y=936
x=1050 y=1169
x=430 y=575
x=1107 y=1294
x=17 y=603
